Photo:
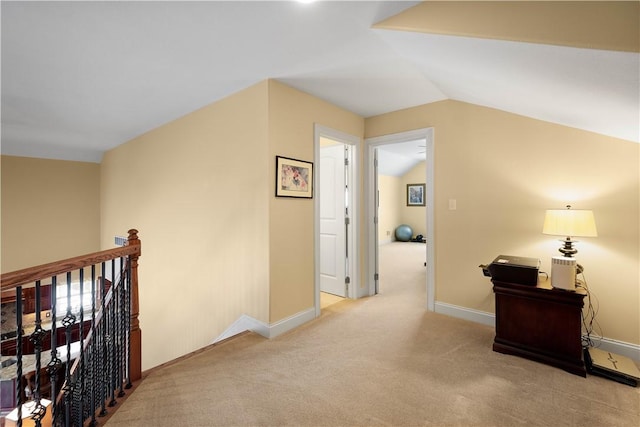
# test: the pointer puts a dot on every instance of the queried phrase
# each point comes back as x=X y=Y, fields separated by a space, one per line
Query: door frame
x=370 y=199
x=353 y=142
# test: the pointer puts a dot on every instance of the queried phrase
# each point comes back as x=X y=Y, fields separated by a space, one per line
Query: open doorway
x=336 y=225
x=402 y=217
x=374 y=148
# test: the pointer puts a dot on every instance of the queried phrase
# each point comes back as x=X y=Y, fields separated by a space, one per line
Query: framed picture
x=415 y=194
x=294 y=178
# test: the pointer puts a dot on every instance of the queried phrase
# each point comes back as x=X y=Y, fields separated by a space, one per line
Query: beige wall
x=195 y=188
x=391 y=200
x=292 y=115
x=414 y=216
x=505 y=170
x=50 y=210
x=201 y=190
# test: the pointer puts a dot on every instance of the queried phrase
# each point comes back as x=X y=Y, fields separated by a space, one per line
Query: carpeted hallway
x=378 y=361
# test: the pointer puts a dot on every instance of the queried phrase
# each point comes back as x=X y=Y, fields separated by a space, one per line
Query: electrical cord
x=591 y=327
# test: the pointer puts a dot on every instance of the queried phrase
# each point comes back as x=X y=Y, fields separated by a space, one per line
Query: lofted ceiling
x=79 y=78
x=399 y=158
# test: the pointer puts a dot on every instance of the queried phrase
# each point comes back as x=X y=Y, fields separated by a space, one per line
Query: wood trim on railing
x=46 y=271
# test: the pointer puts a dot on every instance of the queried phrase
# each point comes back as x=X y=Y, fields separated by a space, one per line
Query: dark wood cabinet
x=29 y=298
x=540 y=323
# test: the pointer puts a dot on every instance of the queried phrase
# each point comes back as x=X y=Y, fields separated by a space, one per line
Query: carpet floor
x=377 y=361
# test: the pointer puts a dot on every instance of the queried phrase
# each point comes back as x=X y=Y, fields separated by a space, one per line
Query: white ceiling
x=398 y=159
x=79 y=78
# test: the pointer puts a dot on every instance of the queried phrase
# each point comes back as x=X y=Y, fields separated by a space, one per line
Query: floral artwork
x=294 y=178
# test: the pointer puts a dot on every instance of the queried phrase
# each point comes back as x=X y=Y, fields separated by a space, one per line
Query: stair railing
x=92 y=350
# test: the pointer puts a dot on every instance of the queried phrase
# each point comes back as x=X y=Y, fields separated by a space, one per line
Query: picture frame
x=415 y=194
x=294 y=178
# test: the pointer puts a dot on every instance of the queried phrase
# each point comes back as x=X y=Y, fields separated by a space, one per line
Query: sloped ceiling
x=399 y=158
x=79 y=78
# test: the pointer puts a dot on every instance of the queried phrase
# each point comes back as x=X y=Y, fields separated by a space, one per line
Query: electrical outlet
x=388 y=233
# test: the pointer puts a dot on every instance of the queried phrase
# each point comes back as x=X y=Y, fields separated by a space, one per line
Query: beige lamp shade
x=570 y=223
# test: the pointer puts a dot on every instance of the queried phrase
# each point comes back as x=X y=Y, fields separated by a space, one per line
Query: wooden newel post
x=136 y=333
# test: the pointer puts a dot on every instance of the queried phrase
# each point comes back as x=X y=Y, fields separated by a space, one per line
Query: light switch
x=452 y=204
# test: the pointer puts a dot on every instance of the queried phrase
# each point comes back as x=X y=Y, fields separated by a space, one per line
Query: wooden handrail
x=45 y=271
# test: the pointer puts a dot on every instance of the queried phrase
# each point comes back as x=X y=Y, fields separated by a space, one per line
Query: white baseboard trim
x=244 y=323
x=248 y=323
x=477 y=316
x=291 y=322
x=632 y=351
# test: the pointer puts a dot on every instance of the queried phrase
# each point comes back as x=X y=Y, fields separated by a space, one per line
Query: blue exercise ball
x=404 y=233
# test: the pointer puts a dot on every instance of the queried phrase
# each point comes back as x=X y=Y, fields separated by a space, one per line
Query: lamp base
x=568 y=250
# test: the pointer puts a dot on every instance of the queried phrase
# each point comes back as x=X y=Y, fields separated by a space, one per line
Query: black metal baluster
x=55 y=362
x=19 y=399
x=127 y=317
x=89 y=393
x=68 y=322
x=81 y=367
x=112 y=365
x=107 y=354
x=99 y=353
x=37 y=337
x=94 y=335
x=115 y=344
x=103 y=338
x=123 y=333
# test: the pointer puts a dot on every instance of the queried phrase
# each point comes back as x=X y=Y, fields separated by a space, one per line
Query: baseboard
x=291 y=322
x=244 y=323
x=476 y=316
x=632 y=351
x=248 y=323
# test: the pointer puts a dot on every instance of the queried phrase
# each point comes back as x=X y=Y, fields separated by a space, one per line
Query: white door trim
x=354 y=143
x=371 y=144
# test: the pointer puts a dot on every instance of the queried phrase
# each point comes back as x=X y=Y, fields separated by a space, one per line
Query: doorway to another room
x=399 y=167
x=402 y=217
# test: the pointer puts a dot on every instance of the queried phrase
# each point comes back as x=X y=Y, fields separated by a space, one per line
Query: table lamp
x=570 y=223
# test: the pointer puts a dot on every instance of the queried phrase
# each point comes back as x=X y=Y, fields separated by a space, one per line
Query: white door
x=333 y=223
